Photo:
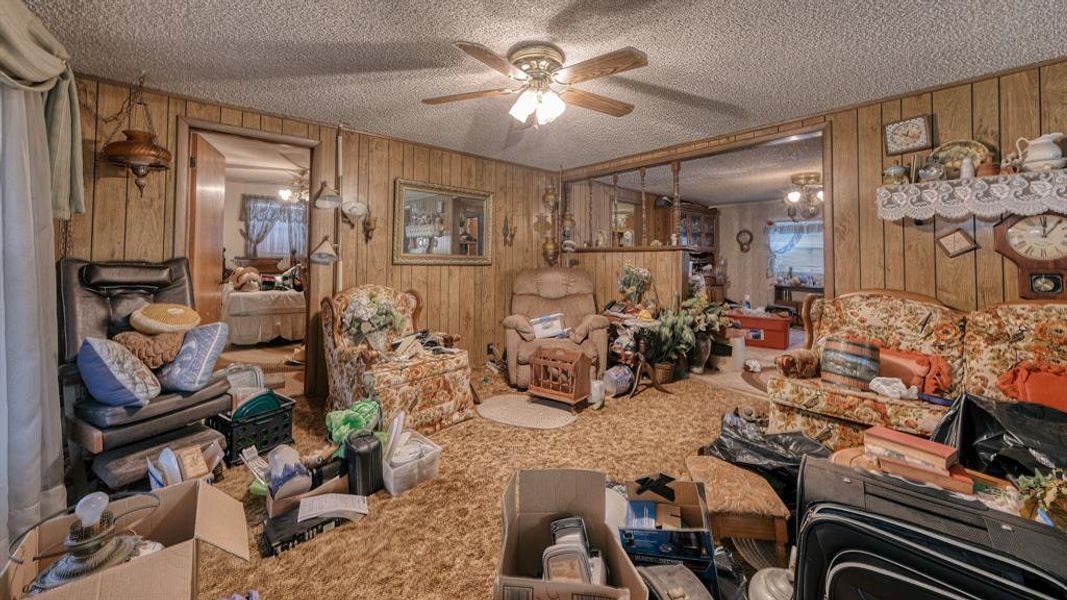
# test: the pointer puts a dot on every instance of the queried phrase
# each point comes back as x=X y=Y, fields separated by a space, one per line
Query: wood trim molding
x=636 y=249
x=899 y=294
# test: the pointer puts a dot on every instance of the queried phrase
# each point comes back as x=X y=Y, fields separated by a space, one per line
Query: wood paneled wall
x=120 y=224
x=605 y=265
x=748 y=272
x=870 y=253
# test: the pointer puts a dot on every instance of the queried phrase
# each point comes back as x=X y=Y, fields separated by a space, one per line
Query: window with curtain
x=273 y=227
x=796 y=246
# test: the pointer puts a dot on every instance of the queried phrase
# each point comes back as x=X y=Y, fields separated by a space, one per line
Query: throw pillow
x=931 y=374
x=799 y=364
x=113 y=375
x=153 y=350
x=1036 y=382
x=164 y=318
x=192 y=368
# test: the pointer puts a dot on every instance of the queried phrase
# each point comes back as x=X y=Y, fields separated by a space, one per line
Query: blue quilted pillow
x=192 y=369
x=113 y=375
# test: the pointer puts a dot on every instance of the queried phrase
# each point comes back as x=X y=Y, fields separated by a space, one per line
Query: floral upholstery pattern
x=1000 y=337
x=833 y=433
x=860 y=407
x=433 y=389
x=896 y=322
x=979 y=347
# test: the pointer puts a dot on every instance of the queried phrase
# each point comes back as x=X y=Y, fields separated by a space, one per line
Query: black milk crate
x=264 y=430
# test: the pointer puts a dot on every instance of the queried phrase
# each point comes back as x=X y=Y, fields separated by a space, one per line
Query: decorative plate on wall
x=951 y=154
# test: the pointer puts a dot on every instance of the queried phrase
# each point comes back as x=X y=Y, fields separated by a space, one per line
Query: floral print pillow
x=899 y=323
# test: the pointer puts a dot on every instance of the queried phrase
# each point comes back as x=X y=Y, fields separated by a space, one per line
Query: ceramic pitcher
x=1040 y=148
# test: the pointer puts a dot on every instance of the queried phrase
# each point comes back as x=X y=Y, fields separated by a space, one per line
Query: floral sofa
x=432 y=389
x=983 y=350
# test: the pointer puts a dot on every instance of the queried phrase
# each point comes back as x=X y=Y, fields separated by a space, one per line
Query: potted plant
x=667 y=341
x=633 y=283
x=709 y=323
x=1045 y=497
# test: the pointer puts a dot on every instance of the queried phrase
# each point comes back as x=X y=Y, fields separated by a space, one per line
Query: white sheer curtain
x=31 y=467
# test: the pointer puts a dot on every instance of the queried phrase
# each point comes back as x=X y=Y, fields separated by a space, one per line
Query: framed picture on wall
x=910 y=135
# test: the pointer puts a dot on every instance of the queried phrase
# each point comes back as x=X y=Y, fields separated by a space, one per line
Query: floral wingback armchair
x=433 y=389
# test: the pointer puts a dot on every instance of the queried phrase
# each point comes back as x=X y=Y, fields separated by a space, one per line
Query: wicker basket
x=560 y=375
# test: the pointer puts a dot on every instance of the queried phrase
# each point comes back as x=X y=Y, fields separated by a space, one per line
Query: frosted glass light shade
x=551 y=107
x=793 y=197
x=524 y=106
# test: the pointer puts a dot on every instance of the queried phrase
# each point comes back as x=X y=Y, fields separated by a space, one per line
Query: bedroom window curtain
x=31 y=445
x=259 y=214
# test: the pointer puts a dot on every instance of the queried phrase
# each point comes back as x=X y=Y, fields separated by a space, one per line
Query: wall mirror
x=439 y=224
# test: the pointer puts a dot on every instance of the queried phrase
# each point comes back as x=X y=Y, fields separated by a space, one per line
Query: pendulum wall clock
x=1037 y=245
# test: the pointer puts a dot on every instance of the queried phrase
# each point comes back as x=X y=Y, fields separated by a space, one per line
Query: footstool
x=741 y=504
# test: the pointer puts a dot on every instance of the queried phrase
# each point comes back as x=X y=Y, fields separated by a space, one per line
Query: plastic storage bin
x=264 y=431
x=402 y=478
x=764 y=331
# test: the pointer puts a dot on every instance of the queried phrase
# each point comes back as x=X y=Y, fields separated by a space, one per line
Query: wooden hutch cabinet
x=699 y=227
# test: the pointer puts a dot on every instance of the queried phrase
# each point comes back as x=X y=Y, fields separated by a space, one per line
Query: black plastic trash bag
x=775 y=456
x=733 y=584
x=1004 y=438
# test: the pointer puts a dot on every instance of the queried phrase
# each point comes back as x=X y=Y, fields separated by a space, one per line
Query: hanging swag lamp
x=139 y=152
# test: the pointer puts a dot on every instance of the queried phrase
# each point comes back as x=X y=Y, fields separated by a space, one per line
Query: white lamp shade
x=327 y=197
x=285 y=194
x=551 y=106
x=324 y=254
x=793 y=196
x=524 y=106
x=354 y=209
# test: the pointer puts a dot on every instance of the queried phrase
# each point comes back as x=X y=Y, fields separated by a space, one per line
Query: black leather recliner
x=95 y=300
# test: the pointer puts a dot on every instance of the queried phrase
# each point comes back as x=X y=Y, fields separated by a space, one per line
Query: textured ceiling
x=751 y=174
x=256 y=161
x=714 y=66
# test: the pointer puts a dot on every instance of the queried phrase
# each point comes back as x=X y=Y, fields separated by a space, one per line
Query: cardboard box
x=188 y=512
x=533 y=500
x=337 y=485
x=682 y=535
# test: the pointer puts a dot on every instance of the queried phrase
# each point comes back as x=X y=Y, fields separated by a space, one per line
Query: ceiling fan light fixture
x=793 y=197
x=550 y=107
x=525 y=105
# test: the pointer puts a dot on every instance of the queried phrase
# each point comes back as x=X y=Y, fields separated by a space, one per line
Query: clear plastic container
x=401 y=478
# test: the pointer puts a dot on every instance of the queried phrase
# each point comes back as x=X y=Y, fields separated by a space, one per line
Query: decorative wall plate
x=951 y=154
x=909 y=135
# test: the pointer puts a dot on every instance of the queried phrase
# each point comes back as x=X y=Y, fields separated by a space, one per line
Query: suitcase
x=866 y=535
x=673 y=582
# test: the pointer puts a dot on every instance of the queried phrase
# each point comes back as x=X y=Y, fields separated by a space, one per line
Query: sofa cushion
x=734 y=490
x=105 y=416
x=434 y=389
x=528 y=349
x=833 y=433
x=113 y=375
x=192 y=368
x=1000 y=337
x=905 y=324
x=865 y=408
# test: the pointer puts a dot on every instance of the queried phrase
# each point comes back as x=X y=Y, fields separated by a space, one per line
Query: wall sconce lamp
x=324 y=253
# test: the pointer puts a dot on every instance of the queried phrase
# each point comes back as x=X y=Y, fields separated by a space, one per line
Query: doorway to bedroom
x=248 y=228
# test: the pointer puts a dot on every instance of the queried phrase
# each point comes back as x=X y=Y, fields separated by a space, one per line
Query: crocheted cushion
x=733 y=490
x=164 y=318
x=153 y=350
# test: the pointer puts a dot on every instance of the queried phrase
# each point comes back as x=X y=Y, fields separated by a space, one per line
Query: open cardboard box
x=682 y=532
x=533 y=500
x=188 y=512
x=337 y=485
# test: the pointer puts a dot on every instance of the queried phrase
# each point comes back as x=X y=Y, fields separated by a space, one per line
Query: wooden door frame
x=182 y=231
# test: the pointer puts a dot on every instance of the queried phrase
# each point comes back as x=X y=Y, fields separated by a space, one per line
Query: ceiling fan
x=545 y=89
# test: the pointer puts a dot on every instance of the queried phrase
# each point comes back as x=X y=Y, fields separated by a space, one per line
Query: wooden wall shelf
x=641 y=249
x=988 y=197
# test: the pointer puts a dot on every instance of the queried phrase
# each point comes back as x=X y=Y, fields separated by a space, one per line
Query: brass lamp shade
x=139 y=153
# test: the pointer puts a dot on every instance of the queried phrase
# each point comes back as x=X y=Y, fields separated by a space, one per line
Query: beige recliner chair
x=544 y=292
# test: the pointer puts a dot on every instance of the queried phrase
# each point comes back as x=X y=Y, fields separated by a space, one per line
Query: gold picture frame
x=441 y=225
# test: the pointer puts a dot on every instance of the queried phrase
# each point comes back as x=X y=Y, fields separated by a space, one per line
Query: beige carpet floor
x=441 y=539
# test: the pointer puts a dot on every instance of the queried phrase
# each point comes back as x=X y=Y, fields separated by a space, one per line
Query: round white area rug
x=518 y=411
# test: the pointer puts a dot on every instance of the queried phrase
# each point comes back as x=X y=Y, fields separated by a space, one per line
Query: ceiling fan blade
x=468 y=96
x=602 y=66
x=492 y=60
x=603 y=104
